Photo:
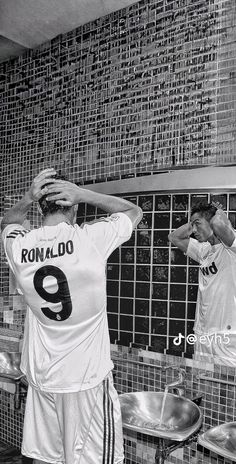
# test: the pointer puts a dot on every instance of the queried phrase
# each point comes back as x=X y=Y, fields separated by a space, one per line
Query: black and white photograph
x=118 y=231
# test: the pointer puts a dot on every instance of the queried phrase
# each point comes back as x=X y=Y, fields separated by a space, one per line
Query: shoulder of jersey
x=14 y=233
x=102 y=219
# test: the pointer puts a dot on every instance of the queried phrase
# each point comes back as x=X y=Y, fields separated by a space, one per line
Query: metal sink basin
x=221 y=439
x=10 y=366
x=142 y=412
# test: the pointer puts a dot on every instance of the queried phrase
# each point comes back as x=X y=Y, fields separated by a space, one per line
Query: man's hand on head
x=217 y=205
x=64 y=193
x=41 y=180
x=220 y=214
x=18 y=212
x=219 y=210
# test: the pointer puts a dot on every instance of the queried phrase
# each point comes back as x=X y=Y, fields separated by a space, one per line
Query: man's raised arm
x=67 y=194
x=17 y=213
x=180 y=237
x=222 y=227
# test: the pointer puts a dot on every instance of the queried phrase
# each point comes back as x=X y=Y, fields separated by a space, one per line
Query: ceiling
x=25 y=24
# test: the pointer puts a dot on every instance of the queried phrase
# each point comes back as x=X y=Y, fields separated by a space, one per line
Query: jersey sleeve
x=233 y=246
x=108 y=233
x=11 y=233
x=196 y=250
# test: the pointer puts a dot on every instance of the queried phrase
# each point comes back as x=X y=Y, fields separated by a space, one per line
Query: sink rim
x=4 y=377
x=174 y=435
x=10 y=366
x=204 y=441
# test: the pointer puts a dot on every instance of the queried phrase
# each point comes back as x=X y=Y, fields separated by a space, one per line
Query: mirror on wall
x=152 y=285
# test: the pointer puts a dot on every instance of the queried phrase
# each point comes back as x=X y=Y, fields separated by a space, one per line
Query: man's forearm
x=17 y=213
x=180 y=237
x=222 y=227
x=182 y=233
x=108 y=203
x=111 y=204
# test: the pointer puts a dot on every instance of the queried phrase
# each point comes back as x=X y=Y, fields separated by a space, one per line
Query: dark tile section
x=152 y=286
x=11 y=455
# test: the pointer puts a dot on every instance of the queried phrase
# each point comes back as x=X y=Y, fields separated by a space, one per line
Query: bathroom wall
x=145 y=90
x=140 y=370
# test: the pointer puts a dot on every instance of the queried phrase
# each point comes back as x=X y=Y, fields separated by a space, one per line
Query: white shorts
x=74 y=428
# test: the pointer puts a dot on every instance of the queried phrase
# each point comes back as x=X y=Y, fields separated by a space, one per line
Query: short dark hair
x=207 y=210
x=50 y=207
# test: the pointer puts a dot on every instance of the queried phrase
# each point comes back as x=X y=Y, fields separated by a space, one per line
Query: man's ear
x=75 y=209
x=39 y=209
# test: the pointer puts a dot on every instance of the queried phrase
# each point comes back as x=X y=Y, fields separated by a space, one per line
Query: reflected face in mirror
x=201 y=227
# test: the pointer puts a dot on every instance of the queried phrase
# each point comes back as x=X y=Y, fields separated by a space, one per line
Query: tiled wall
x=139 y=370
x=11 y=420
x=145 y=89
x=134 y=373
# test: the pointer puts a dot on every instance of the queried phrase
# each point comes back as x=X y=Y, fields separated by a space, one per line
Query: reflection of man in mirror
x=210 y=240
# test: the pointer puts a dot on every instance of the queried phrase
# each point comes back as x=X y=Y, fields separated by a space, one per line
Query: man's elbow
x=138 y=215
x=3 y=224
x=6 y=221
x=135 y=214
x=220 y=226
x=223 y=230
x=171 y=238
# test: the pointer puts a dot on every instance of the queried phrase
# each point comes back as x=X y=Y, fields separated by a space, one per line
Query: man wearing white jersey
x=214 y=248
x=72 y=412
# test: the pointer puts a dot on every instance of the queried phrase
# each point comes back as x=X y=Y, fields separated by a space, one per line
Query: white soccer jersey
x=61 y=270
x=216 y=305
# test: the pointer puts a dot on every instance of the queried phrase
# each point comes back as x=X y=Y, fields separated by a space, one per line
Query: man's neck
x=213 y=240
x=55 y=219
